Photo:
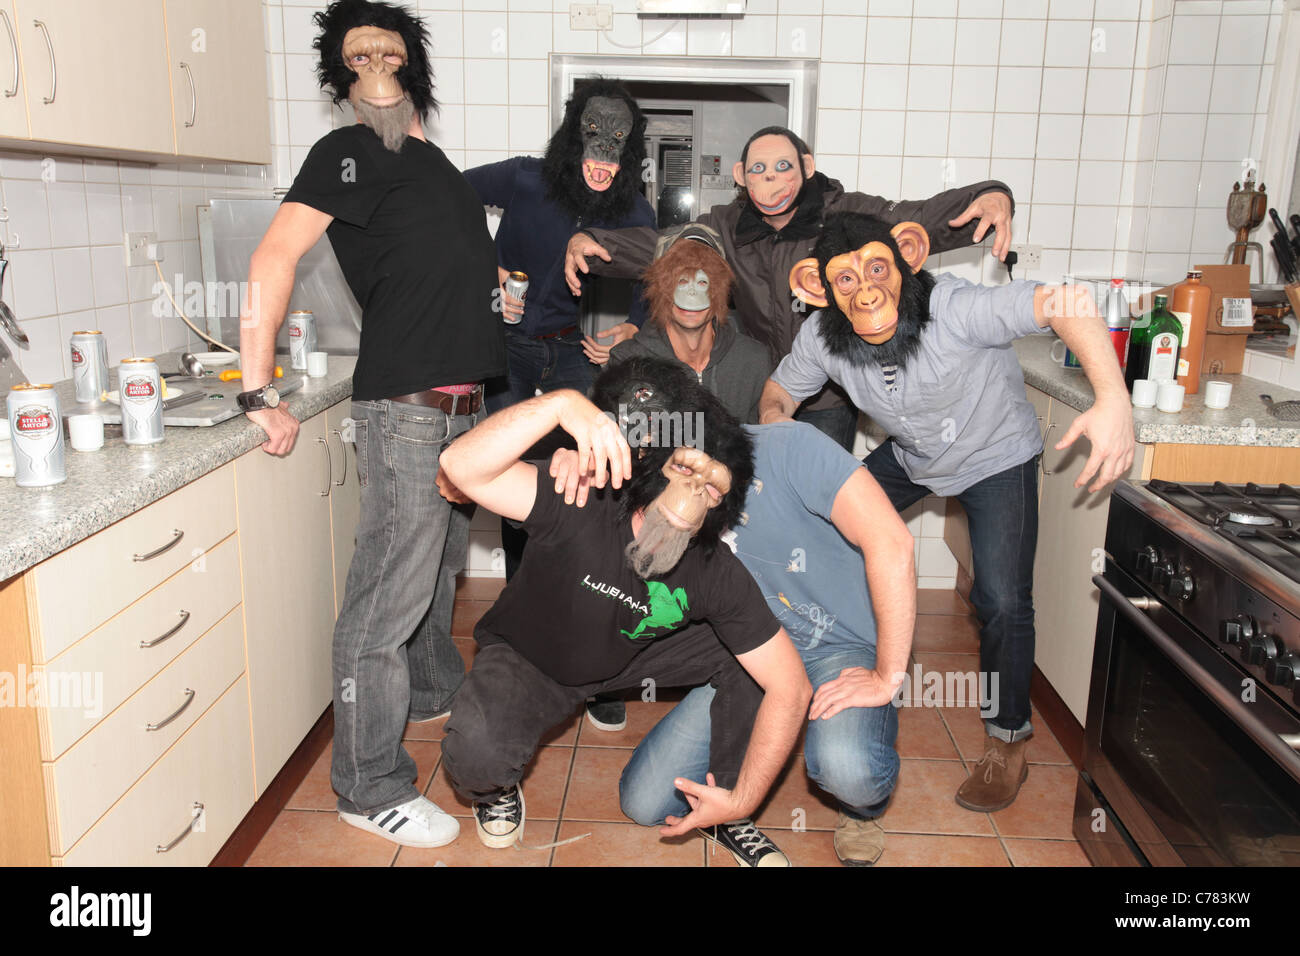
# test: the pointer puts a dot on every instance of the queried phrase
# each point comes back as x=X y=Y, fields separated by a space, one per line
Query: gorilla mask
x=606 y=125
x=592 y=165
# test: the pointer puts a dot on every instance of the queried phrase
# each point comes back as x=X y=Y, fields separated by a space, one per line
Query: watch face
x=270 y=396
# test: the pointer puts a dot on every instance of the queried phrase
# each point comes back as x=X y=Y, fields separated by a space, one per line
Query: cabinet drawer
x=99 y=768
x=211 y=765
x=111 y=661
x=80 y=588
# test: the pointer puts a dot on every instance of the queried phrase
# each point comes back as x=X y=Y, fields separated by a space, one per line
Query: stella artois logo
x=295 y=331
x=77 y=357
x=33 y=420
x=139 y=388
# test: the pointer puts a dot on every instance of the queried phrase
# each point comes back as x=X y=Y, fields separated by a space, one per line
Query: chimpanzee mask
x=880 y=295
x=773 y=171
x=593 y=162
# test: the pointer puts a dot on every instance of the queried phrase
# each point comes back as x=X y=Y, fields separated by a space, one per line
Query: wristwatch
x=258 y=398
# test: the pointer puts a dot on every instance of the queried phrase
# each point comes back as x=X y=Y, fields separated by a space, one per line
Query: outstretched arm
x=948 y=216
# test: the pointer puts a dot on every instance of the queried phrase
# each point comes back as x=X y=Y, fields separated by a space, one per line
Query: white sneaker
x=500 y=823
x=417 y=822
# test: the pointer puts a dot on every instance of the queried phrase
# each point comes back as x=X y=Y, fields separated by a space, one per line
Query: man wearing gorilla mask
x=776 y=217
x=615 y=596
x=928 y=358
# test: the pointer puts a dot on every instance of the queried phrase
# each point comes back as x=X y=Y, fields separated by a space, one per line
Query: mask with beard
x=696 y=484
x=880 y=297
x=392 y=124
x=376 y=55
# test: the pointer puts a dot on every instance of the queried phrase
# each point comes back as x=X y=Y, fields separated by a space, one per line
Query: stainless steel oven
x=1193 y=722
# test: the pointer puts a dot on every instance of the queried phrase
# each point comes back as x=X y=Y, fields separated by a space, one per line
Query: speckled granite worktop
x=107 y=485
x=1246 y=421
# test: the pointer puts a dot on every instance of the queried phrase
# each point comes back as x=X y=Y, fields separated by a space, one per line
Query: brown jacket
x=765 y=308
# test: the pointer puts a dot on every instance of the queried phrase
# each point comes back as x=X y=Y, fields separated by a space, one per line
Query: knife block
x=1293 y=295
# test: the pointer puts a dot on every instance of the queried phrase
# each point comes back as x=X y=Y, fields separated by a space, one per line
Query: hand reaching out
x=993 y=209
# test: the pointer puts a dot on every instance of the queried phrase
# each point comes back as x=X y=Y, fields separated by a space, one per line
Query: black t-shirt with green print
x=579 y=614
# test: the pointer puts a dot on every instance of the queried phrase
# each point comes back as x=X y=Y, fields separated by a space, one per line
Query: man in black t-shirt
x=602 y=599
x=410 y=237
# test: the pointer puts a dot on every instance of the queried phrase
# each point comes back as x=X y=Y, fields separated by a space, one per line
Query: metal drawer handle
x=197 y=814
x=54 y=67
x=13 y=45
x=329 y=467
x=194 y=96
x=344 y=449
x=189 y=699
x=1291 y=740
x=177 y=535
x=185 y=619
x=1050 y=426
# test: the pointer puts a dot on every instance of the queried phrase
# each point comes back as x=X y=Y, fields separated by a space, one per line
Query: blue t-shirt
x=814 y=581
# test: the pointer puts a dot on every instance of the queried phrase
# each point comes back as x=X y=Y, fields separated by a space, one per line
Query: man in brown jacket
x=774 y=225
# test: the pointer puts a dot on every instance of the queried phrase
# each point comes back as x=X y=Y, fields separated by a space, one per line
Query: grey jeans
x=394 y=658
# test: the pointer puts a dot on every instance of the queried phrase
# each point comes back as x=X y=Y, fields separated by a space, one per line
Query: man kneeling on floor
x=615 y=596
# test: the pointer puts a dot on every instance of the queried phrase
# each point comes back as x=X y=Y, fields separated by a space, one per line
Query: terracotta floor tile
x=593 y=785
x=480 y=589
x=923 y=801
x=1044 y=807
x=916 y=849
x=943 y=679
x=946 y=633
x=311 y=838
x=625 y=844
x=544 y=781
x=1046 y=852
x=940 y=601
x=469 y=851
x=922 y=733
x=796 y=800
x=972 y=739
x=641 y=717
x=427 y=730
x=466 y=614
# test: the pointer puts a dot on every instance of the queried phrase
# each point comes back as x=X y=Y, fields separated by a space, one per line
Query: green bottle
x=1153 y=345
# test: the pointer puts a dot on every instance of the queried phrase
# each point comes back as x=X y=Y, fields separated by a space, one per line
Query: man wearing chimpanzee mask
x=615 y=597
x=773 y=223
x=409 y=235
x=928 y=359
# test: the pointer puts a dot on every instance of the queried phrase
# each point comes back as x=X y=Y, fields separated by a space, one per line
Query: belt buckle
x=469 y=400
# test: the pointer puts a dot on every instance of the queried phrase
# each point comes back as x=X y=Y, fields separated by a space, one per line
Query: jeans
x=394 y=658
x=851 y=755
x=507 y=704
x=1002 y=511
x=546 y=364
x=840 y=422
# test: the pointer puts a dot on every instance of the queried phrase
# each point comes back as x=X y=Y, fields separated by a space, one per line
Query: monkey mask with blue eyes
x=879 y=302
x=773 y=174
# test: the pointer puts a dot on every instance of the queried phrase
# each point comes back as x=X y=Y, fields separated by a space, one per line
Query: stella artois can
x=516 y=287
x=36 y=430
x=302 y=338
x=140 y=391
x=90 y=366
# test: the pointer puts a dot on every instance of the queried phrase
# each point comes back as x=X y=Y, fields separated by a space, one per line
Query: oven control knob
x=1240 y=628
x=1259 y=649
x=1162 y=574
x=1147 y=558
x=1180 y=586
x=1283 y=670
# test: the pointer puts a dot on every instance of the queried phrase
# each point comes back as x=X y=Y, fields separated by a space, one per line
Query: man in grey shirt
x=929 y=359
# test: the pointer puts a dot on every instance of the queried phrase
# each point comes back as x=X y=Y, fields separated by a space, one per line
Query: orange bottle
x=1190 y=302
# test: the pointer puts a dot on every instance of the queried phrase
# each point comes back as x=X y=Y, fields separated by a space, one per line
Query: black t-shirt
x=410 y=235
x=579 y=614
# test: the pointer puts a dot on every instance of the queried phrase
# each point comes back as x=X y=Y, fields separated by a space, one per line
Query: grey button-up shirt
x=958 y=412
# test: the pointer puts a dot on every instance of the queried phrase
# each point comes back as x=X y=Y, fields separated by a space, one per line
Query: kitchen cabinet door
x=286 y=556
x=96 y=73
x=13 y=102
x=218 y=79
x=345 y=497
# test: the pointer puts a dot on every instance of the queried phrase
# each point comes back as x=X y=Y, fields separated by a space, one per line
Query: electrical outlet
x=591 y=16
x=1029 y=257
x=137 y=247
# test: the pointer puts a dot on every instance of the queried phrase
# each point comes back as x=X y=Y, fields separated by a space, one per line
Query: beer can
x=140 y=392
x=302 y=338
x=90 y=366
x=36 y=431
x=516 y=287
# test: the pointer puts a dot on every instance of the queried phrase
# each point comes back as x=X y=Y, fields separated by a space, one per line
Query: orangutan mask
x=692 y=292
x=606 y=125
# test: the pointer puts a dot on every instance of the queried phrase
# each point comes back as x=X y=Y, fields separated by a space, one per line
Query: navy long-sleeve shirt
x=534 y=234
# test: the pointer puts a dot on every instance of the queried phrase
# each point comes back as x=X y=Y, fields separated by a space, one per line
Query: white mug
x=318 y=364
x=1218 y=394
x=86 y=432
x=1144 y=393
x=1169 y=397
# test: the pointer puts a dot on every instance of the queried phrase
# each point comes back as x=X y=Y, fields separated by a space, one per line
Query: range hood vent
x=691 y=9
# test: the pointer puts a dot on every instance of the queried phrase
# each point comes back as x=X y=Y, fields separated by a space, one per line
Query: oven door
x=1194 y=761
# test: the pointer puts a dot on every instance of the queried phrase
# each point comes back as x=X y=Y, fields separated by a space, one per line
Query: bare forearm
x=487 y=451
x=1073 y=316
x=775 y=403
x=893 y=598
x=775 y=729
x=270 y=285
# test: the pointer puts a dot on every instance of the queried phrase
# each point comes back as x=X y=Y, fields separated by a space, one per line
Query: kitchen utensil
x=1246 y=208
x=234 y=374
x=1295 y=240
x=193 y=395
x=191 y=365
x=1285 y=257
x=1218 y=394
x=1287 y=411
x=7 y=320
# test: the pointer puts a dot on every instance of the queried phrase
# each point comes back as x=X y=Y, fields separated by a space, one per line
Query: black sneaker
x=500 y=823
x=607 y=713
x=747 y=844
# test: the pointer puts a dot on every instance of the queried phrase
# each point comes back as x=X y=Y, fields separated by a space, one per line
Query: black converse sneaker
x=607 y=713
x=500 y=823
x=747 y=844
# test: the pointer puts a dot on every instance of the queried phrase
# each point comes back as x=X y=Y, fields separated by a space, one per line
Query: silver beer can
x=36 y=431
x=516 y=287
x=302 y=338
x=139 y=390
x=90 y=366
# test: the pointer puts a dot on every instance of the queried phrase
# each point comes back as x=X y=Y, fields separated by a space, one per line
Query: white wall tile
x=1193 y=39
x=529 y=35
x=1070 y=10
x=446 y=30
x=880 y=175
x=449 y=79
x=489 y=130
x=1175 y=183
x=1108 y=91
x=1241 y=39
x=1216 y=182
x=924 y=176
x=844 y=39
x=68 y=224
x=1103 y=137
x=146 y=329
x=665 y=39
x=1094 y=227
x=299 y=30
x=798 y=36
x=108 y=275
x=1050 y=225
x=977 y=41
x=1018 y=89
x=1058 y=136
x=712 y=38
x=309 y=121
x=1014 y=135
x=1054 y=181
x=1022 y=43
x=933 y=41
x=1018 y=174
x=837 y=131
x=43 y=362
x=487 y=82
x=927 y=134
x=885 y=87
x=1063 y=90
x=974 y=87
x=889 y=40
x=754 y=36
x=889 y=8
x=1187 y=88
x=1234 y=89
x=447 y=128
x=882 y=132
x=1169 y=229
x=1226 y=134
x=529 y=129
x=31 y=283
x=487 y=35
x=529 y=82
x=979 y=8
x=970 y=134
x=839 y=85
x=1100 y=183
x=929 y=87
x=300 y=78
x=1114 y=43
x=565 y=40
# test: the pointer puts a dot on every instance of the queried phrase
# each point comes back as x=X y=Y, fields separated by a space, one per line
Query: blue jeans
x=1002 y=511
x=393 y=653
x=851 y=755
x=840 y=422
x=546 y=364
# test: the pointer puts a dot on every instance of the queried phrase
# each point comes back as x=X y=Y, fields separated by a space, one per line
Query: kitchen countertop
x=107 y=485
x=1246 y=421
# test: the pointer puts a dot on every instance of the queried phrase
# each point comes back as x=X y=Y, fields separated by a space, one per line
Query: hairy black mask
x=415 y=76
x=652 y=386
x=562 y=166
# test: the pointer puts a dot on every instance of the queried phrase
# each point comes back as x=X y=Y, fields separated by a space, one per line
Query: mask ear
x=738 y=174
x=913 y=242
x=806 y=282
x=809 y=167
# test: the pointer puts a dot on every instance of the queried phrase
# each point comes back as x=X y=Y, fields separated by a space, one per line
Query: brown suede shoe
x=858 y=842
x=994 y=781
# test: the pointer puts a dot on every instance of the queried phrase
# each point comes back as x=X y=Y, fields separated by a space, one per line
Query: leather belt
x=556 y=335
x=464 y=404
